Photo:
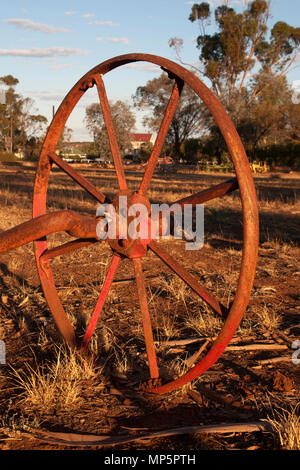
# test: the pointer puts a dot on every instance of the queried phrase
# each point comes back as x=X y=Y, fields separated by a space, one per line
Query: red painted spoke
x=104 y=293
x=111 y=132
x=81 y=180
x=169 y=114
x=150 y=348
x=61 y=319
x=208 y=194
x=66 y=248
x=199 y=198
x=187 y=278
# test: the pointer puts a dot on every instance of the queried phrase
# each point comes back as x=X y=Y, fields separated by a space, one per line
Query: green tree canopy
x=246 y=63
x=123 y=121
x=240 y=44
x=18 y=121
x=187 y=120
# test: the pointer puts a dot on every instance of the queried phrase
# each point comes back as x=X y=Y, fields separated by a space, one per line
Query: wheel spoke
x=211 y=193
x=169 y=114
x=111 y=132
x=60 y=317
x=81 y=180
x=188 y=278
x=150 y=348
x=199 y=198
x=66 y=248
x=103 y=295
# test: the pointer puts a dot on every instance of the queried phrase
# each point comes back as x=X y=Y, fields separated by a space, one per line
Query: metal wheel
x=136 y=249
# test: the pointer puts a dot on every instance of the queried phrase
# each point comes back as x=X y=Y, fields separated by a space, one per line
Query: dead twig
x=192 y=359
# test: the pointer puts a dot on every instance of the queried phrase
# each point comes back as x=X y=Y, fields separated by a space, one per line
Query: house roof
x=137 y=137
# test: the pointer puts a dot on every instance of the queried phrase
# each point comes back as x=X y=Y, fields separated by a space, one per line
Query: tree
x=187 y=120
x=18 y=123
x=10 y=111
x=123 y=121
x=246 y=64
x=145 y=151
x=240 y=43
x=268 y=110
x=291 y=114
x=64 y=139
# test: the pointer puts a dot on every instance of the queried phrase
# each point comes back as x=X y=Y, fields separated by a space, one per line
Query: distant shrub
x=280 y=154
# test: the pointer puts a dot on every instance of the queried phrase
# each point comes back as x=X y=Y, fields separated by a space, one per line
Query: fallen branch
x=180 y=342
x=283 y=337
x=273 y=360
x=257 y=347
x=231 y=347
x=79 y=440
x=214 y=396
x=183 y=342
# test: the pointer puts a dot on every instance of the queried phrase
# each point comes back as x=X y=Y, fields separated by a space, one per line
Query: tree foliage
x=241 y=43
x=20 y=126
x=123 y=121
x=246 y=63
x=64 y=139
x=187 y=120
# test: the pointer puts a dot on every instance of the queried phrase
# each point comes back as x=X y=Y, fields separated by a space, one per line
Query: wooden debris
x=216 y=396
x=80 y=440
x=274 y=360
x=282 y=337
x=184 y=342
x=24 y=301
x=257 y=347
x=196 y=396
x=192 y=359
x=180 y=342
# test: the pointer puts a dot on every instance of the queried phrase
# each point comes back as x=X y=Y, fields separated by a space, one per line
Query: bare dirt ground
x=44 y=386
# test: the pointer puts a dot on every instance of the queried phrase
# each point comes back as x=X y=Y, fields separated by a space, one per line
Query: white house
x=138 y=139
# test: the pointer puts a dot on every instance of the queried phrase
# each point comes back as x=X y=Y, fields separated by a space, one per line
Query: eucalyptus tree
x=246 y=63
x=188 y=119
x=123 y=121
x=19 y=121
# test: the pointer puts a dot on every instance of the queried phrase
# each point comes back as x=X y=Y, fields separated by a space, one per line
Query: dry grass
x=262 y=318
x=177 y=313
x=246 y=327
x=204 y=324
x=55 y=385
x=164 y=308
x=268 y=318
x=286 y=427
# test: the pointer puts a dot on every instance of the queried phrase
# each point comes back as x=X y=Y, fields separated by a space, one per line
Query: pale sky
x=48 y=46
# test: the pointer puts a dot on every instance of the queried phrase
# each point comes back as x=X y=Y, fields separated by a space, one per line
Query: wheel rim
x=245 y=183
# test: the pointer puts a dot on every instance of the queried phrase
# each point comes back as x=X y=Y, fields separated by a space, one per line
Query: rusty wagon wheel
x=136 y=249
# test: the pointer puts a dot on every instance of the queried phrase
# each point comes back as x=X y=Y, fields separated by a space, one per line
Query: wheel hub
x=129 y=228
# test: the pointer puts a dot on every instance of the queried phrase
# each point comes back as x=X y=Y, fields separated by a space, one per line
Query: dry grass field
x=46 y=387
